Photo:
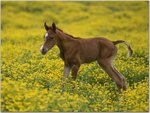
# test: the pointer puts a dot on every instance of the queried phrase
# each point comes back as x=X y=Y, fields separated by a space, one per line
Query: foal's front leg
x=66 y=71
x=66 y=74
x=75 y=69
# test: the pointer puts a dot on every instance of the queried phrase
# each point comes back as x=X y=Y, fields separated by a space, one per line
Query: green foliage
x=32 y=82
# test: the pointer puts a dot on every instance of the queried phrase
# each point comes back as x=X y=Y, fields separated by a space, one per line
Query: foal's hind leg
x=123 y=78
x=106 y=64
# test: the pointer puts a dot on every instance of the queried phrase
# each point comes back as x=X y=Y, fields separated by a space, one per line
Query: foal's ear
x=54 y=27
x=46 y=27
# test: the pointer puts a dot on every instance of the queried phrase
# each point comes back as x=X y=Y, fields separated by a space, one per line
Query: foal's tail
x=127 y=44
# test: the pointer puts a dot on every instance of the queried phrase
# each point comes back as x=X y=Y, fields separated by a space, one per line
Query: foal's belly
x=88 y=59
x=89 y=54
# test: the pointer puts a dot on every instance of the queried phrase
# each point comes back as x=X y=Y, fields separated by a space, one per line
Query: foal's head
x=49 y=38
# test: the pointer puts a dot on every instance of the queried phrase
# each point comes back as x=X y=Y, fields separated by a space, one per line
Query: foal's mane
x=67 y=34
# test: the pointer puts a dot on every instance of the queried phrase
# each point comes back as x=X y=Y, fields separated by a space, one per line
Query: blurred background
x=85 y=19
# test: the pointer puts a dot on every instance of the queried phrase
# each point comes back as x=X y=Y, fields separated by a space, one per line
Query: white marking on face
x=41 y=48
x=46 y=35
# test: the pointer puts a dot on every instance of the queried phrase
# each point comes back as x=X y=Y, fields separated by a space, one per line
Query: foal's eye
x=51 y=38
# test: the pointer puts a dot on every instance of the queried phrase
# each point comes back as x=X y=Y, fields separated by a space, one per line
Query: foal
x=75 y=51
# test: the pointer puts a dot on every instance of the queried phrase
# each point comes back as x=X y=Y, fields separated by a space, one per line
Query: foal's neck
x=62 y=38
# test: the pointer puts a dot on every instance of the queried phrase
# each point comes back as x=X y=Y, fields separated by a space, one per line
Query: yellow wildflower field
x=31 y=81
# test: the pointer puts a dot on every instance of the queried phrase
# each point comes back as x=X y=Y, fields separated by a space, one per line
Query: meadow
x=31 y=81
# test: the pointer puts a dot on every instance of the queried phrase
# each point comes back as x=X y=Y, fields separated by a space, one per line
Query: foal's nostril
x=43 y=51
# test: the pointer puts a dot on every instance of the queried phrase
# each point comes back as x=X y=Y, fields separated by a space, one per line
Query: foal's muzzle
x=43 y=51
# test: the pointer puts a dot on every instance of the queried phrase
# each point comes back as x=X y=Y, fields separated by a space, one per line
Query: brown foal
x=75 y=51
